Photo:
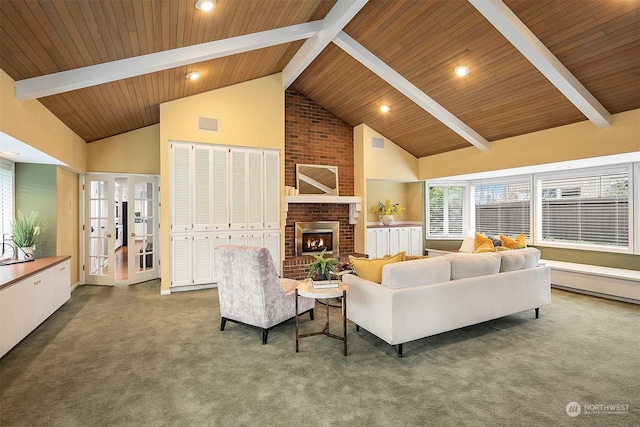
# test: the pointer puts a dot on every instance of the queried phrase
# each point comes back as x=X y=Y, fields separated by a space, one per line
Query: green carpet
x=128 y=356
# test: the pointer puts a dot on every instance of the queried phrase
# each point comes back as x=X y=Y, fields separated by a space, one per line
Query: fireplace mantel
x=354 y=202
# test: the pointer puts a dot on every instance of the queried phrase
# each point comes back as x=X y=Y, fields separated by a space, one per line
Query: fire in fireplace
x=314 y=237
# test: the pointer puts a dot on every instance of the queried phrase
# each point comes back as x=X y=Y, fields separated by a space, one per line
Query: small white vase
x=25 y=254
x=387 y=219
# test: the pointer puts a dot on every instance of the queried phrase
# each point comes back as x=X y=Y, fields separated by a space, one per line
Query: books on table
x=324 y=285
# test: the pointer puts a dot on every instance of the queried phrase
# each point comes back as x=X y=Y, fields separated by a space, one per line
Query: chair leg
x=399 y=348
x=311 y=314
x=357 y=328
x=537 y=312
x=265 y=332
x=223 y=322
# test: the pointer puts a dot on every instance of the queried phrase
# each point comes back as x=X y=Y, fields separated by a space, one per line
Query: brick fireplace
x=315 y=136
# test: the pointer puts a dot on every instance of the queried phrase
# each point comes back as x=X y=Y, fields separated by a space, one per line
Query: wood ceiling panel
x=48 y=36
x=343 y=86
x=504 y=95
x=112 y=108
x=597 y=40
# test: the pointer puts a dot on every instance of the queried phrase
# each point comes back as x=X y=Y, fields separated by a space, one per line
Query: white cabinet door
x=201 y=172
x=181 y=257
x=239 y=239
x=218 y=239
x=255 y=190
x=372 y=249
x=61 y=284
x=382 y=242
x=8 y=319
x=272 y=242
x=416 y=241
x=255 y=238
x=181 y=196
x=404 y=240
x=26 y=299
x=43 y=285
x=272 y=209
x=202 y=258
x=394 y=241
x=238 y=188
x=219 y=188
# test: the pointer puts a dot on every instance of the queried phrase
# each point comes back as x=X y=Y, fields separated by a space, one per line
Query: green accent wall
x=36 y=190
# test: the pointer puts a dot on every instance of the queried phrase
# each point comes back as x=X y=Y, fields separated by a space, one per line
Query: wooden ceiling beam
x=65 y=81
x=337 y=18
x=408 y=89
x=514 y=30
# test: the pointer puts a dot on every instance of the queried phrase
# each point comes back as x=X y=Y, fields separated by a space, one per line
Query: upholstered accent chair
x=250 y=291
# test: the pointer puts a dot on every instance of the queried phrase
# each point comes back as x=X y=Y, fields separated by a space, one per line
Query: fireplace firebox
x=314 y=237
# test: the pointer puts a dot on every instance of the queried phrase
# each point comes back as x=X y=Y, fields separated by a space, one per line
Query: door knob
x=133 y=234
x=109 y=235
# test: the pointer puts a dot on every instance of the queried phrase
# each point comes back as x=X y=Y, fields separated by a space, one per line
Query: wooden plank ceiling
x=598 y=41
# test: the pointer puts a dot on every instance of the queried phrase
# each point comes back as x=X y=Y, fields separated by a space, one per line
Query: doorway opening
x=121 y=229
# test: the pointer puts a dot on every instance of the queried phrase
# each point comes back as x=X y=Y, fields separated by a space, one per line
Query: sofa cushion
x=519 y=259
x=417 y=272
x=518 y=243
x=473 y=265
x=371 y=269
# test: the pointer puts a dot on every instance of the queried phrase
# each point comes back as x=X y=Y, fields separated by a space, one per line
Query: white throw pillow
x=468 y=245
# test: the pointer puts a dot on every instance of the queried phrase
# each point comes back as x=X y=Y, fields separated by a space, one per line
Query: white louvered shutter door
x=272 y=190
x=180 y=188
x=202 y=189
x=238 y=190
x=220 y=184
x=255 y=189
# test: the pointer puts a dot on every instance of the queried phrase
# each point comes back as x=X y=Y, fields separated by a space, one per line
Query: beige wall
x=31 y=123
x=576 y=141
x=249 y=114
x=380 y=174
x=408 y=195
x=68 y=212
x=134 y=152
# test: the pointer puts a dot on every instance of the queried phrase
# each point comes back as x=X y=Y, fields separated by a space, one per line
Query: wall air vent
x=207 y=123
x=377 y=142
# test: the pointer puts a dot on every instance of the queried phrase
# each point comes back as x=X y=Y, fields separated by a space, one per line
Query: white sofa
x=425 y=297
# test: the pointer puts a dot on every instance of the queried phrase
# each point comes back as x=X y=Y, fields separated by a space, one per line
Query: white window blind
x=503 y=207
x=6 y=196
x=590 y=209
x=446 y=211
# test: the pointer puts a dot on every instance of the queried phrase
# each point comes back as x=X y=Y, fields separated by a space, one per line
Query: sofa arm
x=369 y=305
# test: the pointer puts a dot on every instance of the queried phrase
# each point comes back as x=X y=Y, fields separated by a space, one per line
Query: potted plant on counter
x=27 y=232
x=387 y=210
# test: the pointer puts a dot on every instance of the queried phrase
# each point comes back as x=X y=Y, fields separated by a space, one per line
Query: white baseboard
x=165 y=292
x=74 y=286
x=595 y=294
x=192 y=287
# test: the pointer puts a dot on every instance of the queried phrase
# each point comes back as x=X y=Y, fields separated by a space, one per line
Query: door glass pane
x=145 y=226
x=98 y=228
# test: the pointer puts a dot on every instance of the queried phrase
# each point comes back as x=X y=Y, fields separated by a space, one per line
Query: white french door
x=99 y=196
x=143 y=229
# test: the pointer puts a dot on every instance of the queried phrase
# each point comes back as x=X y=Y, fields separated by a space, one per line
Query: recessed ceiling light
x=193 y=75
x=205 y=5
x=385 y=108
x=461 y=70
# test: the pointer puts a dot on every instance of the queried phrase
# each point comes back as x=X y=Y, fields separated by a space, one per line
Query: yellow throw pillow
x=518 y=243
x=485 y=247
x=481 y=239
x=371 y=269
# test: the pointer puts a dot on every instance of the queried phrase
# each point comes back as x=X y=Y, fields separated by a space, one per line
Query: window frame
x=591 y=171
x=8 y=165
x=504 y=180
x=465 y=210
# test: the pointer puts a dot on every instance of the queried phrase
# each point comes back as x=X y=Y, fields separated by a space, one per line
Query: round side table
x=306 y=289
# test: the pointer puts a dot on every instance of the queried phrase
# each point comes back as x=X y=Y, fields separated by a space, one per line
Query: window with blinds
x=586 y=209
x=503 y=208
x=6 y=196
x=446 y=211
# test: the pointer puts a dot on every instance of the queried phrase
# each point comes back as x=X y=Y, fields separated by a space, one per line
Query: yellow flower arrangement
x=387 y=208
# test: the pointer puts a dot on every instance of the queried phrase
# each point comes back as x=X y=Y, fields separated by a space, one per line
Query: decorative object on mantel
x=321 y=267
x=386 y=210
x=27 y=231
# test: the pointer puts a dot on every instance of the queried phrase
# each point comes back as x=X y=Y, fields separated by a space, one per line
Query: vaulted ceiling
x=103 y=67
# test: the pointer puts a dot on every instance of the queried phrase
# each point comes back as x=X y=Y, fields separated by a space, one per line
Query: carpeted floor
x=128 y=356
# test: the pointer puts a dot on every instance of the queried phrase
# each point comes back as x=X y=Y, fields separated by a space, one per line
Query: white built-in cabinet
x=391 y=240
x=221 y=195
x=26 y=304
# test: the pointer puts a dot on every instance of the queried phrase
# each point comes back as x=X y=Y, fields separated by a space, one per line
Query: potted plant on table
x=27 y=231
x=322 y=267
x=387 y=210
